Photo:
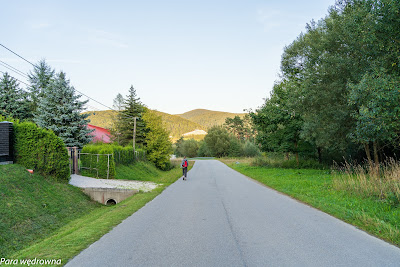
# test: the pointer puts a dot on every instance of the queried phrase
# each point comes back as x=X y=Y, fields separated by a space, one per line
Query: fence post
x=108 y=165
x=97 y=166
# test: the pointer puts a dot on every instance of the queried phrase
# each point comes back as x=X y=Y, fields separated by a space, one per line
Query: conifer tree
x=39 y=79
x=13 y=100
x=132 y=107
x=60 y=111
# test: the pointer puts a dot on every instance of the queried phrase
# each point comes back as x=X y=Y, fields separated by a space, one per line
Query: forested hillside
x=209 y=118
x=177 y=125
x=103 y=118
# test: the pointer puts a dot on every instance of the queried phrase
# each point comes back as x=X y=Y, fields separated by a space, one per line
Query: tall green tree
x=39 y=80
x=60 y=110
x=132 y=107
x=376 y=101
x=218 y=141
x=277 y=123
x=118 y=104
x=159 y=147
x=13 y=100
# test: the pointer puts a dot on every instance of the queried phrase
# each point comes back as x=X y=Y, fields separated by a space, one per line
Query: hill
x=177 y=125
x=209 y=118
x=32 y=207
x=103 y=118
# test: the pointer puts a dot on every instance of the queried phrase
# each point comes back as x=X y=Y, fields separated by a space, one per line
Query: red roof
x=99 y=134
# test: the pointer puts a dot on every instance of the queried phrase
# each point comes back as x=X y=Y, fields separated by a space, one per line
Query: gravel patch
x=83 y=182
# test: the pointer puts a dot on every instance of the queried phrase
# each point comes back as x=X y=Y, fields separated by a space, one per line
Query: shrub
x=41 y=150
x=250 y=150
x=203 y=151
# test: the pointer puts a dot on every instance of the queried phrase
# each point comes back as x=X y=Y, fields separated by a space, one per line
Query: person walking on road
x=185 y=165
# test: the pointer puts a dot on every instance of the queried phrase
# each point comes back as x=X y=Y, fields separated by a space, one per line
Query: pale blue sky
x=179 y=55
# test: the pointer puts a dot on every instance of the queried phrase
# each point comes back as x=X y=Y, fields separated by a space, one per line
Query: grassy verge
x=32 y=207
x=145 y=171
x=69 y=240
x=315 y=187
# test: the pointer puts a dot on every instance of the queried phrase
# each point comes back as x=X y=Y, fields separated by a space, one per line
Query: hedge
x=41 y=150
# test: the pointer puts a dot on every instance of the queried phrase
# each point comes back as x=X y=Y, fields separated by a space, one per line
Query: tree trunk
x=376 y=157
x=297 y=153
x=287 y=155
x=319 y=155
x=367 y=151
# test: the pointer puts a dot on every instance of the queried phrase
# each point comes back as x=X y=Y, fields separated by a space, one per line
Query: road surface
x=218 y=217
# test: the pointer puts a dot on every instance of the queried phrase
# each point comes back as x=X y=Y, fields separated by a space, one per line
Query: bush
x=250 y=150
x=41 y=150
x=235 y=147
x=203 y=151
x=189 y=148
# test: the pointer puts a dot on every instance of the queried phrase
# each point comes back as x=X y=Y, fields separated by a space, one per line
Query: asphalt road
x=219 y=217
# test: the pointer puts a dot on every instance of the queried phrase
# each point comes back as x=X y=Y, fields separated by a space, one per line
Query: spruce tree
x=60 y=111
x=132 y=107
x=13 y=100
x=39 y=79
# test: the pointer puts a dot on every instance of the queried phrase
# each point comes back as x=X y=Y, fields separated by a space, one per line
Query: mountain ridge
x=176 y=124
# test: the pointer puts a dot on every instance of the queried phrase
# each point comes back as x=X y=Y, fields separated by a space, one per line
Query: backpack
x=185 y=164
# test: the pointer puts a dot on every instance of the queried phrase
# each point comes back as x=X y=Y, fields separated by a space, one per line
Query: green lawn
x=79 y=233
x=314 y=187
x=33 y=207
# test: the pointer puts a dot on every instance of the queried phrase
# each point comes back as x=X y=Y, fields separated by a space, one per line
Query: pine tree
x=13 y=100
x=39 y=79
x=132 y=107
x=60 y=111
x=118 y=104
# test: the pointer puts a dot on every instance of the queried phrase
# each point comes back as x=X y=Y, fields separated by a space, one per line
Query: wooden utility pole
x=134 y=136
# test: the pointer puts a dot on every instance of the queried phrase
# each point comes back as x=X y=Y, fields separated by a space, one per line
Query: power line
x=18 y=55
x=72 y=87
x=13 y=69
x=15 y=78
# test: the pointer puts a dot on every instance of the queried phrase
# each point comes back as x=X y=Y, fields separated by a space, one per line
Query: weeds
x=276 y=162
x=370 y=180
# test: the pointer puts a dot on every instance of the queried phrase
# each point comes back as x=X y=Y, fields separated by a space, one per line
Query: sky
x=178 y=55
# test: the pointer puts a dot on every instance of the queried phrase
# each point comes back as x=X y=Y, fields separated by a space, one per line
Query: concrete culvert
x=111 y=202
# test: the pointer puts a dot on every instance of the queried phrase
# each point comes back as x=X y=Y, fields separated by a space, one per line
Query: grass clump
x=369 y=180
x=32 y=207
x=146 y=171
x=281 y=162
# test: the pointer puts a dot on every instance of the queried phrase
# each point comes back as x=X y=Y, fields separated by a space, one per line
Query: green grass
x=145 y=171
x=77 y=235
x=314 y=187
x=32 y=207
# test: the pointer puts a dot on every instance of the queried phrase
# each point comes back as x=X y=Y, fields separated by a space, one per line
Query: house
x=100 y=134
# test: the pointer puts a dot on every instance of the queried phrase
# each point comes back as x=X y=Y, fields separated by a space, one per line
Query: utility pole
x=134 y=136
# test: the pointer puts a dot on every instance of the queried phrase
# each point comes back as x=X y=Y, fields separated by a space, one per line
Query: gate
x=73 y=160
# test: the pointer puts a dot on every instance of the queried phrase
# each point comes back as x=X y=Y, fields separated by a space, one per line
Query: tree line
x=49 y=101
x=151 y=133
x=52 y=103
x=339 y=91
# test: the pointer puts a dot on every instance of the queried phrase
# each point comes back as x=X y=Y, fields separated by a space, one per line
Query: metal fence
x=93 y=162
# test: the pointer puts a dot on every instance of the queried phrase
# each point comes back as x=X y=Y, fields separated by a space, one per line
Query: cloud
x=270 y=19
x=107 y=38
